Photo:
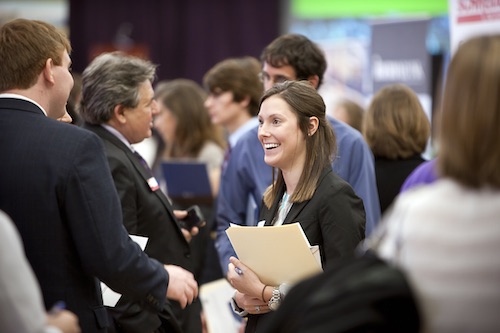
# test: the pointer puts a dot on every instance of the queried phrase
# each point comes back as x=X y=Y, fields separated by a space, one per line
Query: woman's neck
x=291 y=173
x=291 y=178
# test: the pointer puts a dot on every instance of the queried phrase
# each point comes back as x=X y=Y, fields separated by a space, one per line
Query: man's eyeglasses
x=265 y=77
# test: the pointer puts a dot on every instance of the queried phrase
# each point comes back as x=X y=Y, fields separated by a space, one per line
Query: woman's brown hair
x=185 y=98
x=469 y=150
x=395 y=124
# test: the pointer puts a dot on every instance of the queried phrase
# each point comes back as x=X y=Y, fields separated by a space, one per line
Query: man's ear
x=47 y=70
x=313 y=125
x=119 y=114
x=314 y=81
x=245 y=102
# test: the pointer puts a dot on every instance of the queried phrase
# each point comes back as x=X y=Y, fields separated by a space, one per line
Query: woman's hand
x=250 y=304
x=244 y=279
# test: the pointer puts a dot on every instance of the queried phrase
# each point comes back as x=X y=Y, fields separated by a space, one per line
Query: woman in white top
x=21 y=303
x=446 y=236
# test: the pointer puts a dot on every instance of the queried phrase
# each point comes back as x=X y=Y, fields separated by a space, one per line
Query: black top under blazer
x=56 y=185
x=390 y=175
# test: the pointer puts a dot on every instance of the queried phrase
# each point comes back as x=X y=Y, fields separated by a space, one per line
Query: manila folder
x=277 y=254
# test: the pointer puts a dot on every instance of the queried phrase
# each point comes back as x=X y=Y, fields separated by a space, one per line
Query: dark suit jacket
x=334 y=219
x=147 y=212
x=56 y=185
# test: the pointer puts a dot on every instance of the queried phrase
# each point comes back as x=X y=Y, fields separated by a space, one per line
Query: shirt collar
x=17 y=96
x=236 y=135
x=120 y=136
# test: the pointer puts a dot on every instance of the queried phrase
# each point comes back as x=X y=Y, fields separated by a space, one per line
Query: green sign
x=309 y=9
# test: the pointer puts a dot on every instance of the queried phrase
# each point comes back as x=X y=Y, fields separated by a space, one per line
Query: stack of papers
x=110 y=297
x=277 y=254
x=216 y=297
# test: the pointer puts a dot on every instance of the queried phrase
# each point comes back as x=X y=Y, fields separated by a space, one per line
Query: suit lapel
x=292 y=214
x=273 y=211
x=294 y=211
x=296 y=208
x=148 y=179
x=105 y=134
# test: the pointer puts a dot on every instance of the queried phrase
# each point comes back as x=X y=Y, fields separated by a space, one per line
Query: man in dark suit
x=56 y=185
x=118 y=105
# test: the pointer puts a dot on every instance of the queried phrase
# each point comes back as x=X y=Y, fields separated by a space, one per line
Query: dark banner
x=399 y=55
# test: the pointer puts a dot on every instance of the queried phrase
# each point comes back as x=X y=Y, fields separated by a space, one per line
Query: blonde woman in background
x=397 y=129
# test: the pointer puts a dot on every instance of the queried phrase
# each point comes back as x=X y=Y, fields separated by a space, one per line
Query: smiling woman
x=290 y=115
x=281 y=149
x=299 y=142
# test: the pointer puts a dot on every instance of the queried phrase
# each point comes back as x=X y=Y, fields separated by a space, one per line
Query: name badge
x=153 y=184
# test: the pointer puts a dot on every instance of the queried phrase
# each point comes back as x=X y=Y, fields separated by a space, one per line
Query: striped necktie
x=143 y=162
x=227 y=154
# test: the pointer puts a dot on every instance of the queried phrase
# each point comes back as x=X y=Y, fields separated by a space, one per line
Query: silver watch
x=275 y=300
